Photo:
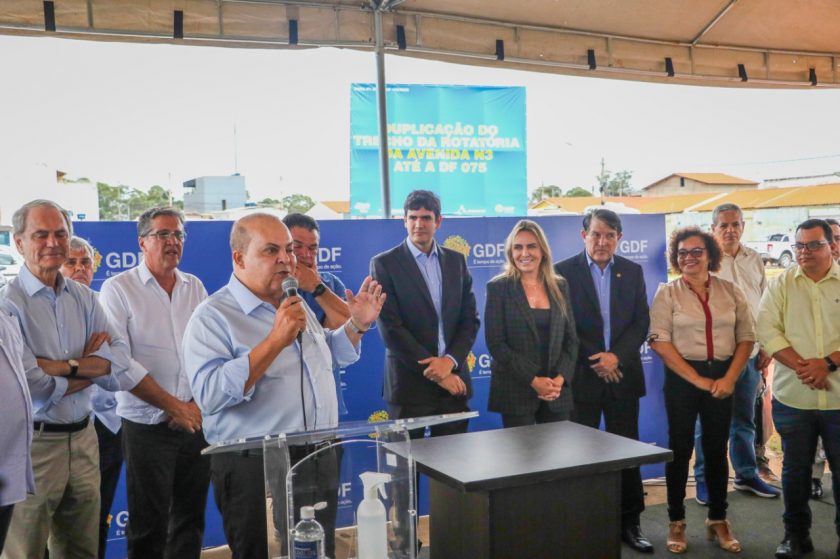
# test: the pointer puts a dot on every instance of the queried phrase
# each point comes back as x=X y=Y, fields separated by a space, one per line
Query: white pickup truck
x=775 y=249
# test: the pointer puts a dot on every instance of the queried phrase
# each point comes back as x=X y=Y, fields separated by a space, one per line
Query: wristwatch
x=832 y=366
x=320 y=289
x=352 y=325
x=74 y=368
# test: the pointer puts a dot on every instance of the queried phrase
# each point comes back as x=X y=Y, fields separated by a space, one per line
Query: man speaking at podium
x=259 y=363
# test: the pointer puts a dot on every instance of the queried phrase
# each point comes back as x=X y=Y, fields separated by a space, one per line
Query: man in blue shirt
x=611 y=315
x=322 y=291
x=260 y=363
x=59 y=320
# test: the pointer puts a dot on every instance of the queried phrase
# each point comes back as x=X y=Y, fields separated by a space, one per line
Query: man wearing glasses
x=166 y=476
x=799 y=325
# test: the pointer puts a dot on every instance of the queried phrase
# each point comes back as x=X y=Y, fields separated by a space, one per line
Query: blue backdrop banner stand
x=465 y=143
x=346 y=250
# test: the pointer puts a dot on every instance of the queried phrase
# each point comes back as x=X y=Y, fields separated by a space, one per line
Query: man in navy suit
x=611 y=313
x=429 y=320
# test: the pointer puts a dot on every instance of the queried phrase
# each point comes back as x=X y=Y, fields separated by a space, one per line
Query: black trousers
x=5 y=520
x=166 y=481
x=449 y=405
x=621 y=417
x=110 y=465
x=239 y=491
x=542 y=415
x=683 y=403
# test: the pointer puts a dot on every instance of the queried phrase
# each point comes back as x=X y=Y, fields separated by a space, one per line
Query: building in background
x=697 y=183
x=204 y=195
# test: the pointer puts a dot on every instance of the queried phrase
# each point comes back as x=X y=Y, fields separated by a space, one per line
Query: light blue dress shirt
x=56 y=324
x=16 y=429
x=217 y=344
x=603 y=284
x=429 y=266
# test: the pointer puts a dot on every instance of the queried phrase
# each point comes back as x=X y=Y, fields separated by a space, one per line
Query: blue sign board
x=465 y=143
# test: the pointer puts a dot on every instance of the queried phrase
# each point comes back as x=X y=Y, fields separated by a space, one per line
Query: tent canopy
x=744 y=43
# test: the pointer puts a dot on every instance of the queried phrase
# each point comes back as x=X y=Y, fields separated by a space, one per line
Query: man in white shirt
x=166 y=476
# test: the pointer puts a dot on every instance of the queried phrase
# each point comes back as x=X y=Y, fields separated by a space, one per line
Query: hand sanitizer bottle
x=370 y=518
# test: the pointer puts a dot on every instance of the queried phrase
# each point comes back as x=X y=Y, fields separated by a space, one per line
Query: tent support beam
x=713 y=22
x=382 y=108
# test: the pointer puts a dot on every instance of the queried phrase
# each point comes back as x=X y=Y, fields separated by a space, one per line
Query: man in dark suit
x=611 y=313
x=429 y=321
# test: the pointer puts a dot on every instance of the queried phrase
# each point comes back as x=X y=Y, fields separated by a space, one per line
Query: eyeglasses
x=812 y=246
x=166 y=235
x=695 y=253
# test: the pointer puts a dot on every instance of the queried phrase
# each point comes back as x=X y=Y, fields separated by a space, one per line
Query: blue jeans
x=799 y=430
x=741 y=431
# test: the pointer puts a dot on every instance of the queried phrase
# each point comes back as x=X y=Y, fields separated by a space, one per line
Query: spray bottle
x=370 y=518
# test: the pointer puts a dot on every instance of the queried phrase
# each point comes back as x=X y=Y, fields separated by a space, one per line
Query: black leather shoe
x=793 y=547
x=816 y=488
x=632 y=536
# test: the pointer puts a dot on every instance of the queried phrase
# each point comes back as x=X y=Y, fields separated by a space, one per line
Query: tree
x=578 y=192
x=543 y=192
x=268 y=202
x=617 y=184
x=123 y=203
x=297 y=203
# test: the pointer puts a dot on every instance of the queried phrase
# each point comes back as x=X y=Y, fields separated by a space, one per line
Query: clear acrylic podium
x=305 y=468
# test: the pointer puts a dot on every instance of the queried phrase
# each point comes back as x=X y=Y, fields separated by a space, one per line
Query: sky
x=161 y=114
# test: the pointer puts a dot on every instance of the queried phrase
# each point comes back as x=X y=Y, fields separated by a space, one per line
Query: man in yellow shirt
x=799 y=325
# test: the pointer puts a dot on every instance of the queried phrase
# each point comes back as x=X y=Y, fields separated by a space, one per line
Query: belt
x=61 y=427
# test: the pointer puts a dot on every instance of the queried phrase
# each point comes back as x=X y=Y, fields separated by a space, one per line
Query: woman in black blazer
x=530 y=333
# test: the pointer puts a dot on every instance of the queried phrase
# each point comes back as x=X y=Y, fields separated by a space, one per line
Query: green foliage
x=268 y=202
x=543 y=192
x=297 y=203
x=617 y=184
x=578 y=192
x=123 y=203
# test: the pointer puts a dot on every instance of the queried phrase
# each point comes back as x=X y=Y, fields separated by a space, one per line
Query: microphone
x=290 y=288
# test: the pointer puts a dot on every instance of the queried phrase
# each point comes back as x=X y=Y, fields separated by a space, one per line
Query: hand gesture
x=289 y=320
x=308 y=278
x=185 y=417
x=437 y=368
x=722 y=388
x=95 y=342
x=603 y=363
x=365 y=305
x=704 y=383
x=813 y=373
x=454 y=385
x=547 y=389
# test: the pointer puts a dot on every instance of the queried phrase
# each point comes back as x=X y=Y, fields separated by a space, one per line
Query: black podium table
x=542 y=491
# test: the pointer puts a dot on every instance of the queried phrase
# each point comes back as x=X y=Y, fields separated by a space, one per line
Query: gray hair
x=78 y=243
x=727 y=207
x=144 y=222
x=19 y=217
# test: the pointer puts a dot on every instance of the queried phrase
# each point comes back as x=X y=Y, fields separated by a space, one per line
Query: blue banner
x=465 y=143
x=346 y=249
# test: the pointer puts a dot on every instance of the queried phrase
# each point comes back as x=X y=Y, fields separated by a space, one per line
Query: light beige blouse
x=677 y=316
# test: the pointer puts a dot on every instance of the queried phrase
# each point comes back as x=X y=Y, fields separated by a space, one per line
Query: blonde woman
x=530 y=333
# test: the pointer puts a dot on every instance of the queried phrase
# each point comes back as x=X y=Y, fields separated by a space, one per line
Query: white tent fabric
x=743 y=43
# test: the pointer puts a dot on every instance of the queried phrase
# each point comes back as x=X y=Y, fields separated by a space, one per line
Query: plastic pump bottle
x=370 y=518
x=309 y=534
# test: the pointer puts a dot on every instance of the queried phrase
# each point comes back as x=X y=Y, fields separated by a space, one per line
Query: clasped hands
x=605 y=365
x=439 y=370
x=813 y=373
x=720 y=388
x=547 y=388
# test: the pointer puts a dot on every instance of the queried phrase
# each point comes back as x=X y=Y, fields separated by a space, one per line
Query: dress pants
x=742 y=430
x=542 y=415
x=110 y=465
x=621 y=417
x=683 y=403
x=166 y=482
x=5 y=520
x=65 y=507
x=239 y=491
x=799 y=430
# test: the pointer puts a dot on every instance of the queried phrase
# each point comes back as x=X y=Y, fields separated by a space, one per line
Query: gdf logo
x=632 y=246
x=458 y=244
x=489 y=250
x=328 y=254
x=122 y=260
